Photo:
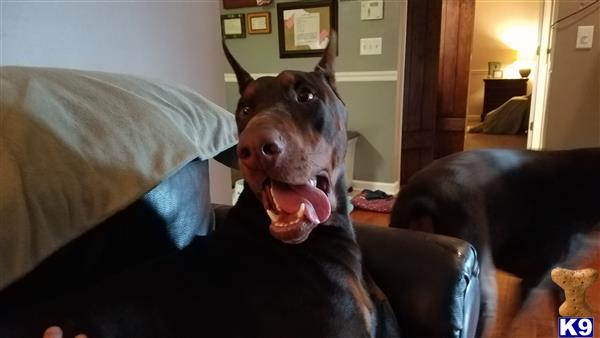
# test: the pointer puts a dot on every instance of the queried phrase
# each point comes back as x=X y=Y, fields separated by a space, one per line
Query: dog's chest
x=300 y=296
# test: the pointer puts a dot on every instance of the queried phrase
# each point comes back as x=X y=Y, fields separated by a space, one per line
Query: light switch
x=585 y=36
x=370 y=46
x=371 y=10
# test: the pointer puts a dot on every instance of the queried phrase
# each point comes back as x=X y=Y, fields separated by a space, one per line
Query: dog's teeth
x=276 y=205
x=313 y=182
x=275 y=200
x=273 y=216
x=300 y=211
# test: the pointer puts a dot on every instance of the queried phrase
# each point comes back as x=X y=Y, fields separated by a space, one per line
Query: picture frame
x=233 y=26
x=304 y=27
x=494 y=69
x=259 y=22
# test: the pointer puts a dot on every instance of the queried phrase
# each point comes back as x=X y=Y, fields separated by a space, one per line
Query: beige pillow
x=77 y=146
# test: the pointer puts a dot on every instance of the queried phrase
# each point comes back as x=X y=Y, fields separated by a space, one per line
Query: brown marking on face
x=362 y=301
x=286 y=78
x=250 y=90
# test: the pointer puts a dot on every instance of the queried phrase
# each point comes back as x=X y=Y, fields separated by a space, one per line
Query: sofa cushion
x=78 y=146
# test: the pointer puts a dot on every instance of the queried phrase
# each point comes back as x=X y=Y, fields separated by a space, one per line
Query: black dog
x=285 y=264
x=520 y=209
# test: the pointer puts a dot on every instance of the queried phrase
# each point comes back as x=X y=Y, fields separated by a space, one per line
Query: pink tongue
x=289 y=198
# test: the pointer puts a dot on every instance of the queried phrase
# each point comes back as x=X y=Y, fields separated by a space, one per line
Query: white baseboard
x=479 y=72
x=388 y=188
x=367 y=76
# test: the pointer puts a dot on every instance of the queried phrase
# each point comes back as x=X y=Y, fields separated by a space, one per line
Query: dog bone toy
x=574 y=283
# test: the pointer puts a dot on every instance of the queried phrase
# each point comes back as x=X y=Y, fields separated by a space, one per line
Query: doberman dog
x=520 y=209
x=284 y=264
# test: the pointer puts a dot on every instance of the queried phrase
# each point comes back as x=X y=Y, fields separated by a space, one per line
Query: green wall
x=371 y=105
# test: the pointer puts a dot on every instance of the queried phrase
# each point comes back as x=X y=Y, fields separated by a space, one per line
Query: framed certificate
x=259 y=23
x=233 y=26
x=304 y=27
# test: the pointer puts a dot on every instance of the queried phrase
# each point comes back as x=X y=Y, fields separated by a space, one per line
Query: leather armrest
x=220 y=211
x=431 y=281
x=228 y=157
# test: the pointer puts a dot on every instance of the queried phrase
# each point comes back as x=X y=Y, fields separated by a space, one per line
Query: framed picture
x=233 y=26
x=259 y=23
x=304 y=27
x=494 y=69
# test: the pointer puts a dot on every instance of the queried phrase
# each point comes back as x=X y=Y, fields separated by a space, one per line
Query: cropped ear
x=243 y=78
x=325 y=66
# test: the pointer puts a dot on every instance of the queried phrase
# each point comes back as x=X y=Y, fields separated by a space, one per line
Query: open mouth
x=295 y=210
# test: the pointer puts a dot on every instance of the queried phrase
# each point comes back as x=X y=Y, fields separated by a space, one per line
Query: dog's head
x=292 y=144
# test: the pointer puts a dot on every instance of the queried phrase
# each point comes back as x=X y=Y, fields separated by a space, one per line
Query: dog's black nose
x=271 y=149
x=260 y=150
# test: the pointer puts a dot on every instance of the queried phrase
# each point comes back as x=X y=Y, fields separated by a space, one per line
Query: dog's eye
x=245 y=109
x=304 y=95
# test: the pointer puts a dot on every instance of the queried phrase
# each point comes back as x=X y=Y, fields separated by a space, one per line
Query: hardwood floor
x=368 y=217
x=478 y=141
x=539 y=317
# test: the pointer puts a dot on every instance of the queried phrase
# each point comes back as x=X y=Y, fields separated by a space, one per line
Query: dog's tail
x=415 y=213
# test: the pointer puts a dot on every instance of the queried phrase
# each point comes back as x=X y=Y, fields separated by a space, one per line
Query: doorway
x=443 y=93
x=503 y=74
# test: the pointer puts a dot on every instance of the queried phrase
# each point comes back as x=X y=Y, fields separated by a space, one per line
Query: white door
x=538 y=102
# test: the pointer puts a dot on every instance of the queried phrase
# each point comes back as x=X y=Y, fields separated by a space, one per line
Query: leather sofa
x=431 y=281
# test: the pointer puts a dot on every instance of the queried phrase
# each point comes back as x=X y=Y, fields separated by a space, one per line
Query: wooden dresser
x=498 y=91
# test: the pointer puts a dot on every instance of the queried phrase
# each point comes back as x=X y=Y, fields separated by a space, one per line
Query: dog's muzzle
x=295 y=210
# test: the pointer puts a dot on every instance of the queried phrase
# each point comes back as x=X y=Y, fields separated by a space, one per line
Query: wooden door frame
x=438 y=51
x=458 y=21
x=423 y=22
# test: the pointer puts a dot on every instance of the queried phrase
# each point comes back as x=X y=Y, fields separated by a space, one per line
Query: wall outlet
x=370 y=46
x=371 y=10
x=585 y=36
